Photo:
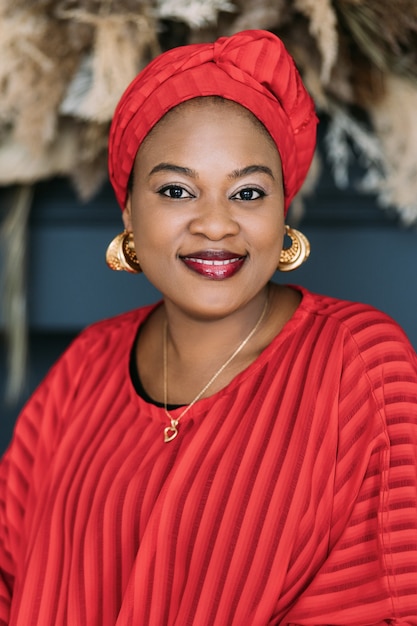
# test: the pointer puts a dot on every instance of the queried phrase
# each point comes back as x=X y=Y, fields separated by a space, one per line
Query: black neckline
x=136 y=380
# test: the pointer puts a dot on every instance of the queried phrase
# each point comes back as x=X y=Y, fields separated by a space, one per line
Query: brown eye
x=248 y=194
x=175 y=192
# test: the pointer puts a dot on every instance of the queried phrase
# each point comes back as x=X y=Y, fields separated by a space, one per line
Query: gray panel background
x=359 y=252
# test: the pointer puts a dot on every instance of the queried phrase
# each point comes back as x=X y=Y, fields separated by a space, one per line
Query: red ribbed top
x=289 y=497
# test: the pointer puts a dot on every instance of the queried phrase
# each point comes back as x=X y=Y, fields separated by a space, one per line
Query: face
x=207 y=208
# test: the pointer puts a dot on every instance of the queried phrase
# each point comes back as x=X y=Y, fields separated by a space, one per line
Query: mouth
x=214 y=264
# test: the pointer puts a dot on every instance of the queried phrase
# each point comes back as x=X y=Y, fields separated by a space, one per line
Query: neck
x=172 y=431
x=197 y=348
x=193 y=339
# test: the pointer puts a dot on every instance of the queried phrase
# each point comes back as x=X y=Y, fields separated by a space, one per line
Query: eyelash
x=164 y=191
x=260 y=192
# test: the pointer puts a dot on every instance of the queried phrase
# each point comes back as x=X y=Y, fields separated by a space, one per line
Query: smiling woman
x=242 y=452
x=216 y=213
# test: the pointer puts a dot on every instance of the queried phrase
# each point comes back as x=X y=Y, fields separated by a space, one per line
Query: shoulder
x=372 y=350
x=82 y=367
x=98 y=347
x=375 y=363
x=110 y=332
x=359 y=341
x=361 y=323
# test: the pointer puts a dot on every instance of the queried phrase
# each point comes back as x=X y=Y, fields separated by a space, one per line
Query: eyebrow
x=251 y=169
x=170 y=167
x=238 y=173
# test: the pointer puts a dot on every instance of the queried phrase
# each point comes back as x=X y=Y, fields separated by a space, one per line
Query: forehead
x=208 y=135
x=205 y=108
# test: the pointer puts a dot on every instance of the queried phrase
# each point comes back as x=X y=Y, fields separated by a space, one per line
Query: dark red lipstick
x=214 y=264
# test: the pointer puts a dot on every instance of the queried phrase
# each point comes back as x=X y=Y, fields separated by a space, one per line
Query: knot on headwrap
x=252 y=68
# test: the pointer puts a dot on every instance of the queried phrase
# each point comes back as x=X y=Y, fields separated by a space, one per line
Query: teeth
x=209 y=262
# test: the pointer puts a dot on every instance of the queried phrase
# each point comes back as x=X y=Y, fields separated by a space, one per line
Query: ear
x=127 y=214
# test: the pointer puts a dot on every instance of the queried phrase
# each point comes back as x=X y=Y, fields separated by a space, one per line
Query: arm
x=6 y=562
x=22 y=468
x=15 y=484
x=370 y=574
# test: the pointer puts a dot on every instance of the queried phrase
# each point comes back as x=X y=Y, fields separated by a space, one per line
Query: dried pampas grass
x=297 y=209
x=61 y=65
x=323 y=26
x=264 y=14
x=394 y=120
x=17 y=163
x=65 y=63
x=90 y=171
x=384 y=31
x=386 y=149
x=32 y=79
x=195 y=13
x=346 y=137
x=13 y=234
x=121 y=43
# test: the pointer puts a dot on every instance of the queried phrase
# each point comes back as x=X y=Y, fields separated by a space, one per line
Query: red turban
x=252 y=68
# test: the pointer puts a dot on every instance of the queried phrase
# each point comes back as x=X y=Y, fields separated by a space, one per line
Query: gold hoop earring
x=121 y=254
x=297 y=253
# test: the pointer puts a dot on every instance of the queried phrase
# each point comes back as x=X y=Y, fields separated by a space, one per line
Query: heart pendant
x=170 y=432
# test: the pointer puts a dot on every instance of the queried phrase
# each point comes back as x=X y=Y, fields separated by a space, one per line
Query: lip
x=214 y=264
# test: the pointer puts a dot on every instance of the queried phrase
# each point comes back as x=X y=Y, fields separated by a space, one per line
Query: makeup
x=214 y=264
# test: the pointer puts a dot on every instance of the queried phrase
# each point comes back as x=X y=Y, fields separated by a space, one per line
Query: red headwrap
x=252 y=68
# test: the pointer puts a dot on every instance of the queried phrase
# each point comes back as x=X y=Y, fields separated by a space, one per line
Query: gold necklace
x=170 y=432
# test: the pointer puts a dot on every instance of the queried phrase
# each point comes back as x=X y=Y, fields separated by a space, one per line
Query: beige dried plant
x=64 y=64
x=395 y=122
x=33 y=80
x=196 y=13
x=90 y=171
x=121 y=43
x=384 y=31
x=13 y=236
x=263 y=14
x=323 y=26
x=59 y=157
x=297 y=209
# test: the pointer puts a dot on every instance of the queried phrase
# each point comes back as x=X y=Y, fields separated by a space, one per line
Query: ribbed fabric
x=289 y=497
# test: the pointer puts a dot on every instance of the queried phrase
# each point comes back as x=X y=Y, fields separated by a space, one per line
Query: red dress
x=289 y=497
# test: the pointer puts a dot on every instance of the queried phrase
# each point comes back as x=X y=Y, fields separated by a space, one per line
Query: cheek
x=156 y=237
x=148 y=237
x=145 y=226
x=268 y=243
x=266 y=234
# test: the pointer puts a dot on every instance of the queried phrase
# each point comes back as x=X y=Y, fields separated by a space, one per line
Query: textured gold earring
x=297 y=253
x=121 y=254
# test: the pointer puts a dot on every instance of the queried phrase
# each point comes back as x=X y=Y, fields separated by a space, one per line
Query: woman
x=242 y=452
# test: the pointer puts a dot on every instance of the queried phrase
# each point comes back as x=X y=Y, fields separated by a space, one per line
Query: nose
x=214 y=220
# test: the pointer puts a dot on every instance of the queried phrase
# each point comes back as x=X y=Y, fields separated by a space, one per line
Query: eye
x=175 y=192
x=249 y=193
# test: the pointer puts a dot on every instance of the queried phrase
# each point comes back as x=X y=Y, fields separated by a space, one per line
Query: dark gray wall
x=358 y=252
